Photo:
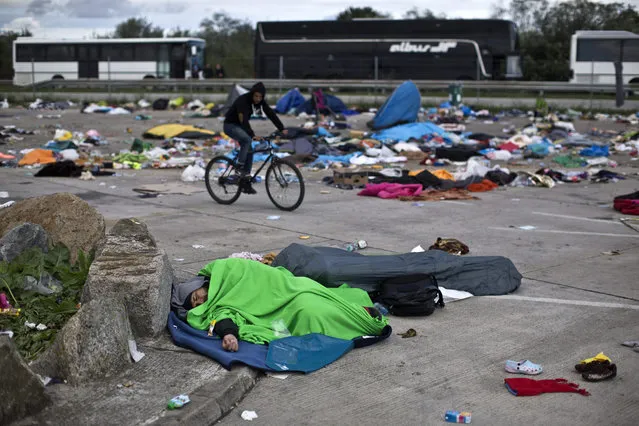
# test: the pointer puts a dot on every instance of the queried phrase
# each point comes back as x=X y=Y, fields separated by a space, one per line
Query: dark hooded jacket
x=244 y=105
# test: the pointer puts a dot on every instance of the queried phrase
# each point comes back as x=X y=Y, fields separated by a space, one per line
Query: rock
x=21 y=391
x=93 y=344
x=21 y=238
x=131 y=267
x=66 y=218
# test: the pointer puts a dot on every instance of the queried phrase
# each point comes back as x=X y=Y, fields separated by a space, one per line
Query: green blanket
x=257 y=297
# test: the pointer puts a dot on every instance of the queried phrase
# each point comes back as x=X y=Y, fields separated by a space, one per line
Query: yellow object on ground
x=443 y=174
x=599 y=357
x=210 y=105
x=168 y=131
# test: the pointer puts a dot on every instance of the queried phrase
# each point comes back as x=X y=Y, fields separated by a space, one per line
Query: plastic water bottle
x=381 y=308
x=357 y=245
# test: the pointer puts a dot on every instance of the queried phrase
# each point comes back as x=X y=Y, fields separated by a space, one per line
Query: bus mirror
x=193 y=50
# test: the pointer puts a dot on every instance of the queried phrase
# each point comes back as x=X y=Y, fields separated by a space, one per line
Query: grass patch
x=53 y=310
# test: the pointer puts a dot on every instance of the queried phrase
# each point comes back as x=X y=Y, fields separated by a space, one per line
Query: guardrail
x=225 y=84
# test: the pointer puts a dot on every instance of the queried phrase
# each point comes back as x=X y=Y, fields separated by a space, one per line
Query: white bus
x=593 y=53
x=36 y=60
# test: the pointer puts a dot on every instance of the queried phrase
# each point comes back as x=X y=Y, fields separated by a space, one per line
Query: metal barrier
x=355 y=85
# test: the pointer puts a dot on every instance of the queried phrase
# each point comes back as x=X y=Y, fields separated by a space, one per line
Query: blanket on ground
x=267 y=303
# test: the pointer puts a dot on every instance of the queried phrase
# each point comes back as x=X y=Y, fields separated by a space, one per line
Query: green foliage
x=51 y=310
x=137 y=28
x=229 y=42
x=415 y=13
x=360 y=12
x=6 y=52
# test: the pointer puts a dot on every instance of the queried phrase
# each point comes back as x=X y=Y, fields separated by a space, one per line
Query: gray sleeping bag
x=332 y=267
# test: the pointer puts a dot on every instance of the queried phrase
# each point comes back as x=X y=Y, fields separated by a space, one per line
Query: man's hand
x=229 y=343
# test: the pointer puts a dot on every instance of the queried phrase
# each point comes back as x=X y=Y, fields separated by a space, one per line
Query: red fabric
x=627 y=206
x=509 y=146
x=391 y=190
x=530 y=387
x=483 y=186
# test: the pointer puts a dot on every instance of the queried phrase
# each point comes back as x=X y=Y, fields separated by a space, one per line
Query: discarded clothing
x=450 y=245
x=483 y=186
x=438 y=195
x=255 y=296
x=391 y=190
x=37 y=156
x=627 y=204
x=570 y=161
x=60 y=169
x=523 y=386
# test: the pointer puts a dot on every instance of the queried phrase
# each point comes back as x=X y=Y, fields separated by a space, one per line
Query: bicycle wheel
x=283 y=179
x=221 y=180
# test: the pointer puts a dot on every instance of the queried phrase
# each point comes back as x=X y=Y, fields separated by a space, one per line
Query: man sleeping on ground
x=246 y=300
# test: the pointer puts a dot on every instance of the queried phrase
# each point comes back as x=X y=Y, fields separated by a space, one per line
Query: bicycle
x=223 y=172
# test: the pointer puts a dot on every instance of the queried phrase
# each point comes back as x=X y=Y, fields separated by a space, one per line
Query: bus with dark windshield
x=388 y=49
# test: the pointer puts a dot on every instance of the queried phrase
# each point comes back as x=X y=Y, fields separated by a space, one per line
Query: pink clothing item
x=391 y=190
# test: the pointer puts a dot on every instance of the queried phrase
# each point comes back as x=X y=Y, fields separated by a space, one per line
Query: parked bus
x=388 y=49
x=36 y=60
x=593 y=54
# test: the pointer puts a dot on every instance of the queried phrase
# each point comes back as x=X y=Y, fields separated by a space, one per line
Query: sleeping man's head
x=196 y=298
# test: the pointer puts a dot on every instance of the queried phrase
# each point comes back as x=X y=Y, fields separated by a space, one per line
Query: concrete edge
x=211 y=401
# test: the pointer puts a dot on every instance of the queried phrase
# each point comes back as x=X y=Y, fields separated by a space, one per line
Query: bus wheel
x=57 y=77
x=149 y=77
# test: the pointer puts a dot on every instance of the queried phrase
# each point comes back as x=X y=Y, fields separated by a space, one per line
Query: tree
x=415 y=13
x=6 y=50
x=178 y=32
x=136 y=28
x=546 y=30
x=229 y=42
x=360 y=12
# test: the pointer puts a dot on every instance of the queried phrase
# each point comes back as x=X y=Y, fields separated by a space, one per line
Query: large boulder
x=93 y=344
x=66 y=218
x=130 y=266
x=21 y=391
x=21 y=238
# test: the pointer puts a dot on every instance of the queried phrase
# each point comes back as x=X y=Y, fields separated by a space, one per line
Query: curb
x=212 y=401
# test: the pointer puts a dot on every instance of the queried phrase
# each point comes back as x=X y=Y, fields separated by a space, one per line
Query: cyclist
x=237 y=126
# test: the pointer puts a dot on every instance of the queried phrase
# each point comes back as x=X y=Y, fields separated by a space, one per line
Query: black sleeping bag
x=332 y=267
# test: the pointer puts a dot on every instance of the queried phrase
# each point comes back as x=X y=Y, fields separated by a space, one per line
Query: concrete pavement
x=574 y=302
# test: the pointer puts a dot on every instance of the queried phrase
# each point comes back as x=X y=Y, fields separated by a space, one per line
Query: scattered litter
x=41 y=327
x=169 y=188
x=179 y=259
x=249 y=415
x=133 y=350
x=7 y=204
x=193 y=173
x=325 y=192
x=419 y=204
x=409 y=333
x=527 y=227
x=4 y=194
x=7 y=333
x=178 y=402
x=304 y=237
x=197 y=246
x=273 y=218
x=30 y=325
x=86 y=175
x=611 y=252
x=280 y=376
x=418 y=249
x=113 y=187
x=452 y=416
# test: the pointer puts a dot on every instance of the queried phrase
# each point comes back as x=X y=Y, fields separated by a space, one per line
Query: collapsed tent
x=292 y=99
x=335 y=104
x=401 y=107
x=409 y=131
x=168 y=131
x=332 y=267
x=235 y=92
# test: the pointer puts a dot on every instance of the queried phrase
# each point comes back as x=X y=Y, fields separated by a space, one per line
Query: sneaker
x=246 y=186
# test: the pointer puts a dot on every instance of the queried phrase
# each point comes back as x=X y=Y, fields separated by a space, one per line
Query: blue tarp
x=292 y=99
x=306 y=353
x=595 y=151
x=401 y=106
x=333 y=102
x=405 y=132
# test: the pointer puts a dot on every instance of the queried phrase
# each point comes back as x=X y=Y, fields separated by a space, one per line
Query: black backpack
x=411 y=295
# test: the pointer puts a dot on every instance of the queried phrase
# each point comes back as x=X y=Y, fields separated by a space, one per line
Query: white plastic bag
x=193 y=174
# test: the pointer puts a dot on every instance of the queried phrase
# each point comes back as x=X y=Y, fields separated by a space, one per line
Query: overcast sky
x=81 y=18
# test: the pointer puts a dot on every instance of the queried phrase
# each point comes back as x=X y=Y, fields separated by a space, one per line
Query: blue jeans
x=245 y=158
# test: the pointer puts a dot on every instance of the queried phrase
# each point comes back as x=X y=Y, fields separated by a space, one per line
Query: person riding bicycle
x=237 y=126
